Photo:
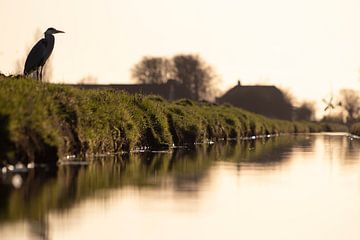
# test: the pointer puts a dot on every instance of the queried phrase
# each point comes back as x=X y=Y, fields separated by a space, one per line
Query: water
x=289 y=187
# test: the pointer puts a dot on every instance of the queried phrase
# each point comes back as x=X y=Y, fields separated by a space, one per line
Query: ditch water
x=287 y=187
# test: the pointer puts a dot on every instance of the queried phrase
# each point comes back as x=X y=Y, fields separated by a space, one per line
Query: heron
x=38 y=55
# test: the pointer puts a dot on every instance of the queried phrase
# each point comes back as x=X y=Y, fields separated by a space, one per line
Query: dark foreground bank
x=44 y=122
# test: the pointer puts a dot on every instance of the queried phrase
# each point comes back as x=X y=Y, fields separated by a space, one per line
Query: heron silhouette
x=38 y=55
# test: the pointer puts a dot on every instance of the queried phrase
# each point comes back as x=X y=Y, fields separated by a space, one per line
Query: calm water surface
x=297 y=187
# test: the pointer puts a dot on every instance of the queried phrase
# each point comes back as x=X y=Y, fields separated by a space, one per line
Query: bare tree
x=89 y=79
x=196 y=75
x=190 y=70
x=152 y=70
x=350 y=102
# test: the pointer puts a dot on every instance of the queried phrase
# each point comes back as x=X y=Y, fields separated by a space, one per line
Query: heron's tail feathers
x=27 y=71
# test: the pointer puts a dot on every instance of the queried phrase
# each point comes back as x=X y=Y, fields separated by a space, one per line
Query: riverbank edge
x=44 y=122
x=355 y=129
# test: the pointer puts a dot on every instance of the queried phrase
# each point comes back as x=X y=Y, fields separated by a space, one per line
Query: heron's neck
x=49 y=37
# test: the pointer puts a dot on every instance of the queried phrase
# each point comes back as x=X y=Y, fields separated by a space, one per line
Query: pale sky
x=311 y=47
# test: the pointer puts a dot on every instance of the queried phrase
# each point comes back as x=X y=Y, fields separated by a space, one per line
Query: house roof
x=265 y=100
x=264 y=92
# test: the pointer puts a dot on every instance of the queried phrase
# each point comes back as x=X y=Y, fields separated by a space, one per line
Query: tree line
x=202 y=81
x=189 y=69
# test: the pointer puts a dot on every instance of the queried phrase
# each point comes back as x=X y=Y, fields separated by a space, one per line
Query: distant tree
x=152 y=70
x=89 y=79
x=350 y=103
x=190 y=70
x=196 y=75
x=334 y=118
x=306 y=111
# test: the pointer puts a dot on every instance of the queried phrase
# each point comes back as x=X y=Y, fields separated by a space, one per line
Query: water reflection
x=186 y=180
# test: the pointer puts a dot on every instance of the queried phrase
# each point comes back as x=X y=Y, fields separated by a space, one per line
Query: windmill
x=329 y=104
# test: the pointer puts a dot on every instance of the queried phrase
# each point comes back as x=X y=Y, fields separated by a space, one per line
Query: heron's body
x=40 y=53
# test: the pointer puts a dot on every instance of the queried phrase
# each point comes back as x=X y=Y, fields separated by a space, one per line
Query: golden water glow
x=303 y=189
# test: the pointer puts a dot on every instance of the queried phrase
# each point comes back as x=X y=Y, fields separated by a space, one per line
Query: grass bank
x=355 y=129
x=44 y=122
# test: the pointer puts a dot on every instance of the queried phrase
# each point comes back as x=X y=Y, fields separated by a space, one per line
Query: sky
x=309 y=47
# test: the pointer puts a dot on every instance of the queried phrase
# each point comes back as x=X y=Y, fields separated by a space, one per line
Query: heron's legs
x=37 y=74
x=41 y=73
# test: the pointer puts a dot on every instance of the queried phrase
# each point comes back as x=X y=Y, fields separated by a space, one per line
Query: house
x=265 y=100
x=171 y=90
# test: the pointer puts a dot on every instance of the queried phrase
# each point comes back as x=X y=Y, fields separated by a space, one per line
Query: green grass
x=43 y=122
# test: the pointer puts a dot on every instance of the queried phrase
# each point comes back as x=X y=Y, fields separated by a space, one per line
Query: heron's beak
x=58 y=31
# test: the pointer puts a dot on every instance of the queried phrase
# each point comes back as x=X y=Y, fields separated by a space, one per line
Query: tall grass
x=45 y=122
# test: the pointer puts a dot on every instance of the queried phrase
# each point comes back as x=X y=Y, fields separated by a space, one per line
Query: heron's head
x=52 y=31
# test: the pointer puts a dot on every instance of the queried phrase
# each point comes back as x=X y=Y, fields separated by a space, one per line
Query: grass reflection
x=59 y=189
